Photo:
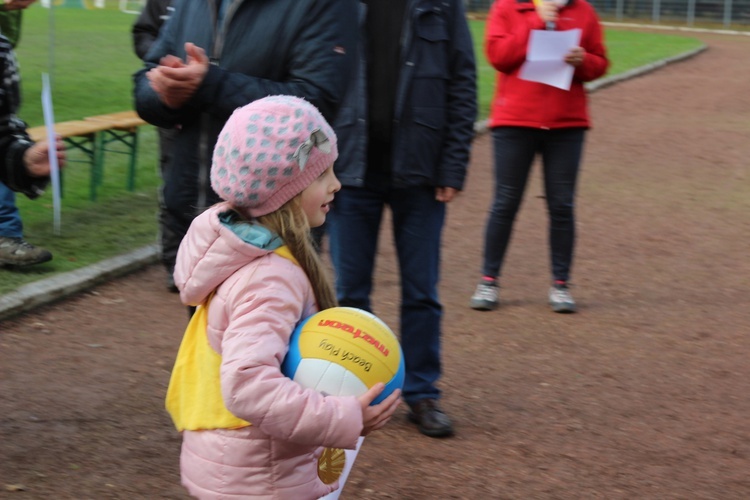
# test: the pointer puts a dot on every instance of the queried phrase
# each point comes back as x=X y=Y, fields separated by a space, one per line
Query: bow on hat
x=317 y=139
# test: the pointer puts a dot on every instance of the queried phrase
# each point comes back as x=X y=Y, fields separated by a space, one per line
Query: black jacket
x=293 y=47
x=14 y=141
x=146 y=28
x=435 y=107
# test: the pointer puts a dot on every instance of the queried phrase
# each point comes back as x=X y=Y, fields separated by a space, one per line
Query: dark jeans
x=353 y=229
x=168 y=239
x=515 y=148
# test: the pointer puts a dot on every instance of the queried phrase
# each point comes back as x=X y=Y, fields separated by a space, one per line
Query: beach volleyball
x=344 y=351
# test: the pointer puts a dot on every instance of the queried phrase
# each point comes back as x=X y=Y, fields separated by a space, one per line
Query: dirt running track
x=643 y=394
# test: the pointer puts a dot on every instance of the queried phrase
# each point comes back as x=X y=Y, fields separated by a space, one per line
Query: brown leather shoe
x=430 y=419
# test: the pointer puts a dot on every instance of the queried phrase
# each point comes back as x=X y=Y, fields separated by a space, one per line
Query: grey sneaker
x=486 y=296
x=18 y=252
x=561 y=300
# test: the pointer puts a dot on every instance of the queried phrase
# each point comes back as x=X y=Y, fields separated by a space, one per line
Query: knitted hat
x=269 y=151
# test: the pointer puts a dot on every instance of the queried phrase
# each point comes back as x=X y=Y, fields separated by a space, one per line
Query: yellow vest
x=194 y=399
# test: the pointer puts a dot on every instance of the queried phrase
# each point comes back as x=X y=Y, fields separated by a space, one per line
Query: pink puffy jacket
x=260 y=297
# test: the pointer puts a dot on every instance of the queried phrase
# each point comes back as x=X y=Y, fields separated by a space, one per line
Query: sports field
x=641 y=395
x=88 y=53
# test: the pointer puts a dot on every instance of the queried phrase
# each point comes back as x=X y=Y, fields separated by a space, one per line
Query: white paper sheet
x=351 y=455
x=49 y=122
x=545 y=57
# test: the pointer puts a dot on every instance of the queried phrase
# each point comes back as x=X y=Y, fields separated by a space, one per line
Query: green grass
x=630 y=50
x=92 y=69
x=91 y=62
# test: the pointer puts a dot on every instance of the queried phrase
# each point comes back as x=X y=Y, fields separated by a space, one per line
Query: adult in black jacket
x=145 y=32
x=208 y=61
x=405 y=133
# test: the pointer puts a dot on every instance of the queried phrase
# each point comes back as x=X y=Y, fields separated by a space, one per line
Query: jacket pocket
x=431 y=29
x=351 y=134
x=424 y=143
x=432 y=118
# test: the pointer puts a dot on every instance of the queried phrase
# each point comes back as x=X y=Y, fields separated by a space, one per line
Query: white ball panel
x=328 y=378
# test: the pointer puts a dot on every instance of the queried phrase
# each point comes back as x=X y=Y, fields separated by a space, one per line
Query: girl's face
x=317 y=197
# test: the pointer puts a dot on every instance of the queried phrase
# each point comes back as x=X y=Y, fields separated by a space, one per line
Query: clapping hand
x=176 y=81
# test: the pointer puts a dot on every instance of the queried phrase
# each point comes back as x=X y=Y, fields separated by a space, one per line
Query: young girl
x=250 y=265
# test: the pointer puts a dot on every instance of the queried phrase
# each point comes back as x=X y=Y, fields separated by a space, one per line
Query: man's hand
x=176 y=81
x=445 y=194
x=36 y=158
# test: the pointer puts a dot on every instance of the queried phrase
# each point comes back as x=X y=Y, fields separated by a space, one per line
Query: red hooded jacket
x=522 y=103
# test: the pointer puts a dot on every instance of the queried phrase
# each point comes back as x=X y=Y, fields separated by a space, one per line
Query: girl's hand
x=375 y=417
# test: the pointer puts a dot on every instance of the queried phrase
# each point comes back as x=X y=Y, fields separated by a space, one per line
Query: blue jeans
x=353 y=229
x=515 y=148
x=10 y=218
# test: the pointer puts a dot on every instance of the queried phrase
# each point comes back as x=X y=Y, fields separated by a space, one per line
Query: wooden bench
x=122 y=128
x=93 y=134
x=81 y=135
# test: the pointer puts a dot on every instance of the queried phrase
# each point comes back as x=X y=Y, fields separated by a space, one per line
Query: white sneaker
x=561 y=300
x=486 y=296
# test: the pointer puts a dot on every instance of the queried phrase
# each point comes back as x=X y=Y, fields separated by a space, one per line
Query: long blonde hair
x=291 y=224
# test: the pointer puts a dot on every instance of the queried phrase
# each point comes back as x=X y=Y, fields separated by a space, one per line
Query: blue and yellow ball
x=344 y=351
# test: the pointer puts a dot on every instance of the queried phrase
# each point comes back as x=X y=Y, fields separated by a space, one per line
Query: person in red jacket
x=528 y=118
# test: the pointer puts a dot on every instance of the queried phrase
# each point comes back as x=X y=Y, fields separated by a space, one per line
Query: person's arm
x=146 y=28
x=507 y=35
x=10 y=5
x=322 y=53
x=26 y=166
x=14 y=141
x=262 y=314
x=461 y=106
x=595 y=62
x=10 y=18
x=13 y=171
x=148 y=104
x=175 y=81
